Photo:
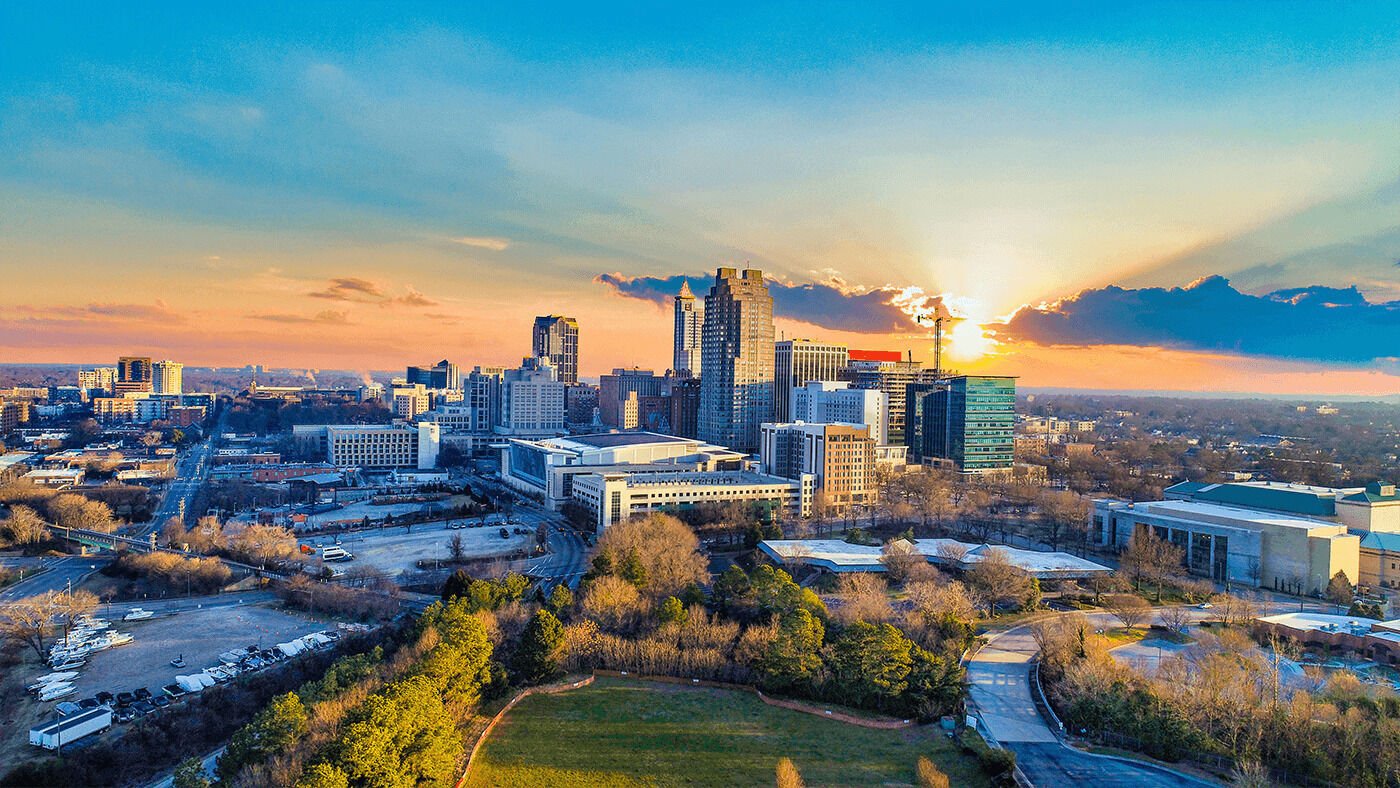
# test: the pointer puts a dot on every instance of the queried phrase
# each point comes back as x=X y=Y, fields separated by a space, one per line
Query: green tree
x=793 y=658
x=560 y=599
x=399 y=737
x=190 y=774
x=632 y=571
x=869 y=665
x=536 y=659
x=692 y=595
x=1339 y=590
x=752 y=536
x=935 y=683
x=670 y=611
x=271 y=731
x=458 y=584
x=731 y=588
x=323 y=775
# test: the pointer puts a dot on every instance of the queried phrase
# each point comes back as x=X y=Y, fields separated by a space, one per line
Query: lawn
x=619 y=732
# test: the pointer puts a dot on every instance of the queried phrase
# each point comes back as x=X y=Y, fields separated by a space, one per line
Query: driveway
x=1000 y=688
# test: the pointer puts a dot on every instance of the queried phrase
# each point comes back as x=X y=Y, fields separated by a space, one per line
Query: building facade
x=887 y=371
x=736 y=387
x=826 y=401
x=372 y=446
x=616 y=497
x=100 y=379
x=839 y=457
x=555 y=337
x=615 y=390
x=532 y=400
x=967 y=421
x=442 y=375
x=133 y=375
x=689 y=321
x=797 y=361
x=168 y=377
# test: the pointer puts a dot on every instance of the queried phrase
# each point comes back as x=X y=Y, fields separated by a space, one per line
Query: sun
x=967 y=341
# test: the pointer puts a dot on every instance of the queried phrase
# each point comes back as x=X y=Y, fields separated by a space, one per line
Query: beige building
x=841 y=458
x=614 y=497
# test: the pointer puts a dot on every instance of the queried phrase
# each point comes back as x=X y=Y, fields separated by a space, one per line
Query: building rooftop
x=1323 y=622
x=1030 y=561
x=1375 y=492
x=1375 y=540
x=838 y=556
x=1236 y=513
x=831 y=554
x=1301 y=499
x=608 y=440
x=15 y=458
x=715 y=478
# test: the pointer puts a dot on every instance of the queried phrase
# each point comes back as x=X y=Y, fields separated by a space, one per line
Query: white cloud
x=483 y=242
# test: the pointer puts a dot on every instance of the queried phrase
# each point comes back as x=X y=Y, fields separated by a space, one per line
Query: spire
x=685 y=289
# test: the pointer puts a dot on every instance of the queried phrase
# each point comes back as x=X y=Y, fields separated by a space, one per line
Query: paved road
x=61 y=571
x=190 y=472
x=567 y=559
x=208 y=761
x=1000 y=688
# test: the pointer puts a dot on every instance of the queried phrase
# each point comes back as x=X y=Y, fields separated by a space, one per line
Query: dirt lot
x=393 y=550
x=201 y=635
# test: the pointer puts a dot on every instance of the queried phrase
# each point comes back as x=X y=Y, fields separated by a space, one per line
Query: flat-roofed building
x=546 y=468
x=833 y=401
x=841 y=457
x=613 y=497
x=372 y=446
x=1235 y=544
x=796 y=362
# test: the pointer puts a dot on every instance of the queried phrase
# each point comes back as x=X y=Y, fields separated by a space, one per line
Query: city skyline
x=1169 y=204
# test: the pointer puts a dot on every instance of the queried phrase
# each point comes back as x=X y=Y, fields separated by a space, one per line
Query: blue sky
x=500 y=158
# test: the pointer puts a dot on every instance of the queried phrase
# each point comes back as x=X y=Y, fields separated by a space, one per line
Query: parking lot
x=200 y=635
x=396 y=549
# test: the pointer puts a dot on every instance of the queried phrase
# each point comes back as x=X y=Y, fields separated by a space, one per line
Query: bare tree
x=74 y=605
x=26 y=526
x=997 y=581
x=901 y=560
x=1175 y=618
x=864 y=597
x=455 y=548
x=1129 y=609
x=25 y=622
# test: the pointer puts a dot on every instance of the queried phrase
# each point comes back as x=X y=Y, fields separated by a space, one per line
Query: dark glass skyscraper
x=968 y=420
x=556 y=338
x=736 y=385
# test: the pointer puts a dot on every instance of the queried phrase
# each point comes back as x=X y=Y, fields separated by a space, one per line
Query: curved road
x=1000 y=688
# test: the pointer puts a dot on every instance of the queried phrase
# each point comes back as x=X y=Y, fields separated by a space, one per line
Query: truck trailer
x=66 y=730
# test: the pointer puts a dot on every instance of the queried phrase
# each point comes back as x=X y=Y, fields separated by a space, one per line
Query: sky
x=1100 y=195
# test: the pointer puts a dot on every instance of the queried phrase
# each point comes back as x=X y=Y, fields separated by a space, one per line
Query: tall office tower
x=797 y=361
x=483 y=394
x=685 y=407
x=532 y=400
x=556 y=338
x=168 y=377
x=133 y=374
x=966 y=420
x=886 y=371
x=616 y=389
x=736 y=388
x=100 y=379
x=442 y=375
x=690 y=319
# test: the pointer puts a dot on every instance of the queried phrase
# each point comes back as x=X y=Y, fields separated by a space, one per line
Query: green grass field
x=619 y=732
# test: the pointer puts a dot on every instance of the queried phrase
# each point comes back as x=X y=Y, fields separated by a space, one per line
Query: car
x=1204 y=606
x=505 y=534
x=87 y=704
x=160 y=701
x=105 y=698
x=142 y=694
x=125 y=699
x=173 y=690
x=124 y=715
x=143 y=707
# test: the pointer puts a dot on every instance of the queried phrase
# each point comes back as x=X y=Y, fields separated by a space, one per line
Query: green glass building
x=968 y=420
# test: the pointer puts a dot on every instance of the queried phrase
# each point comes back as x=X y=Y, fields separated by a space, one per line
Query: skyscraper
x=556 y=338
x=168 y=377
x=886 y=371
x=690 y=318
x=736 y=388
x=967 y=420
x=798 y=361
x=133 y=374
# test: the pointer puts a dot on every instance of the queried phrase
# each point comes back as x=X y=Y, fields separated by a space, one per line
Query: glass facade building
x=967 y=420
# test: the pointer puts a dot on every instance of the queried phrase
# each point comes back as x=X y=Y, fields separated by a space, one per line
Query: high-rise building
x=102 y=379
x=581 y=404
x=736 y=387
x=556 y=338
x=616 y=389
x=133 y=374
x=407 y=400
x=887 y=372
x=685 y=407
x=797 y=361
x=532 y=400
x=690 y=319
x=442 y=375
x=827 y=401
x=483 y=395
x=968 y=421
x=840 y=456
x=168 y=377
